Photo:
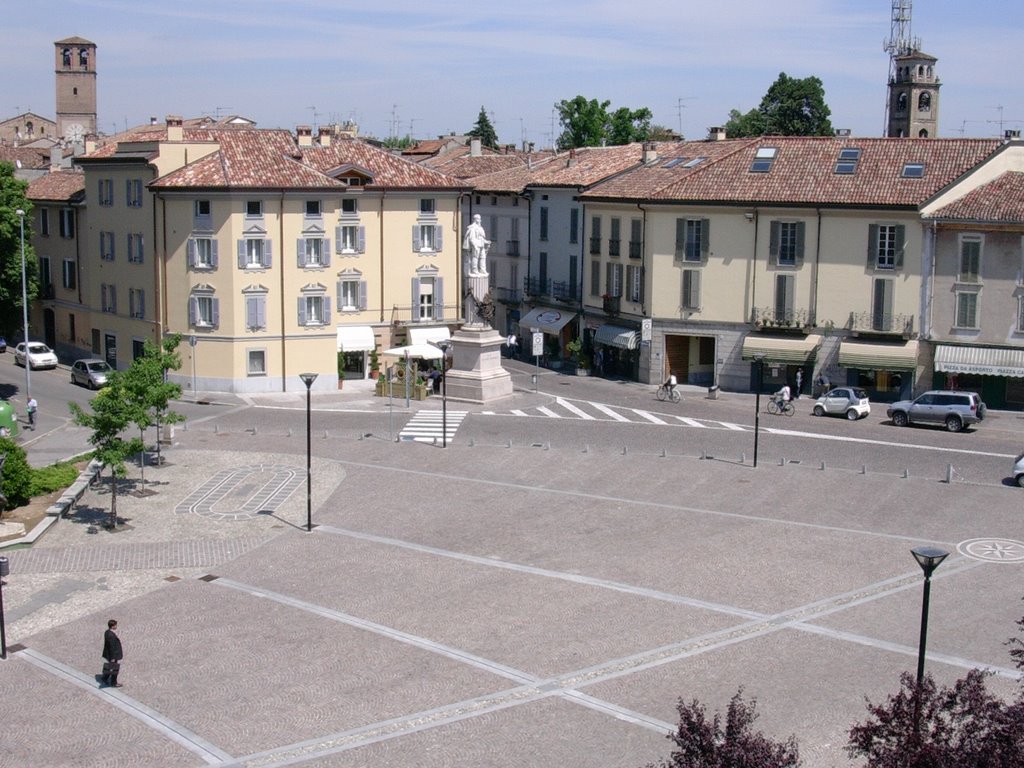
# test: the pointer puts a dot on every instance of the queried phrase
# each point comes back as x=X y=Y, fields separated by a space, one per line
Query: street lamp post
x=444 y=345
x=5 y=568
x=24 y=305
x=928 y=558
x=308 y=379
x=759 y=357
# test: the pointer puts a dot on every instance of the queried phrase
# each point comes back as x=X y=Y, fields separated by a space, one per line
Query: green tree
x=110 y=413
x=663 y=133
x=791 y=107
x=484 y=130
x=145 y=383
x=583 y=122
x=16 y=488
x=627 y=125
x=12 y=198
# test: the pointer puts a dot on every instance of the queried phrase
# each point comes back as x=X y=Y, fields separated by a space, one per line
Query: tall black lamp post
x=308 y=379
x=928 y=558
x=444 y=345
x=5 y=568
x=24 y=305
x=759 y=358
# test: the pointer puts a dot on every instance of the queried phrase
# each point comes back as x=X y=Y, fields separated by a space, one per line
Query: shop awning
x=355 y=338
x=987 y=361
x=427 y=335
x=616 y=336
x=878 y=356
x=781 y=349
x=546 y=319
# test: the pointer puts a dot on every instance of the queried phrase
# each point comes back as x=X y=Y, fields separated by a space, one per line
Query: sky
x=399 y=67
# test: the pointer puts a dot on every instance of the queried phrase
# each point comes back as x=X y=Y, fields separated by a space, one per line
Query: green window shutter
x=801 y=229
x=901 y=233
x=705 y=239
x=773 y=244
x=872 y=246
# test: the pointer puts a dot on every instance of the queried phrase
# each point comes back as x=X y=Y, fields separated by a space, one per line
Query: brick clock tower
x=914 y=97
x=75 y=61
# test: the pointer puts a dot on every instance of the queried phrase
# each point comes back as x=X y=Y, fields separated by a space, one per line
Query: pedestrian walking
x=112 y=654
x=799 y=381
x=31 y=409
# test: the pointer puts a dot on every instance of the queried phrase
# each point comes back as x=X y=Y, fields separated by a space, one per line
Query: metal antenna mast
x=900 y=43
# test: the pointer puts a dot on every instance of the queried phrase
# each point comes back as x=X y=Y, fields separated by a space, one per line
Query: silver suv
x=955 y=410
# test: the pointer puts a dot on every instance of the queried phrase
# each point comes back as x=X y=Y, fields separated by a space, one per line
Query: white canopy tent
x=426 y=351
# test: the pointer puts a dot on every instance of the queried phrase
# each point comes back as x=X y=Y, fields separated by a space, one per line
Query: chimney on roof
x=89 y=148
x=305 y=134
x=1011 y=134
x=571 y=162
x=650 y=152
x=56 y=158
x=152 y=119
x=716 y=133
x=325 y=136
x=174 y=130
x=842 y=133
x=474 y=147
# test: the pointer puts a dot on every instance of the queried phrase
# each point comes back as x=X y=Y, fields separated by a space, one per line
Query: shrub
x=55 y=477
x=17 y=474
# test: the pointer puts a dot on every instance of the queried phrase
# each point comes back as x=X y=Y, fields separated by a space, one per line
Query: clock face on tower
x=75 y=133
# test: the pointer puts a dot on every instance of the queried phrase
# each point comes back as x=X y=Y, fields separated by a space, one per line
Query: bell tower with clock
x=75 y=62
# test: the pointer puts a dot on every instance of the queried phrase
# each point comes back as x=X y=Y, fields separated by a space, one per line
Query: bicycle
x=777 y=406
x=666 y=393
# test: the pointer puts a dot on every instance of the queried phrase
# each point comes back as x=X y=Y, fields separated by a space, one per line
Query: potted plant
x=374 y=363
x=341 y=369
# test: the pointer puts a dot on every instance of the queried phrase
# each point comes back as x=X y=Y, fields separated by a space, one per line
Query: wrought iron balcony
x=564 y=290
x=776 y=317
x=611 y=304
x=614 y=247
x=595 y=246
x=445 y=314
x=634 y=249
x=878 y=322
x=536 y=287
x=511 y=247
x=507 y=295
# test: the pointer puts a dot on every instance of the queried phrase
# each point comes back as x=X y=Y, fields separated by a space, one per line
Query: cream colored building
x=270 y=253
x=805 y=252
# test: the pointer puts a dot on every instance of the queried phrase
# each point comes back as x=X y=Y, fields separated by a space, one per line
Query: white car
x=39 y=355
x=851 y=402
x=1018 y=470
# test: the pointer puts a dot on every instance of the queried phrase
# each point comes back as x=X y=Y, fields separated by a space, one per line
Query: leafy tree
x=16 y=488
x=627 y=125
x=703 y=743
x=12 y=198
x=791 y=107
x=113 y=410
x=926 y=727
x=146 y=385
x=583 y=122
x=484 y=131
x=663 y=133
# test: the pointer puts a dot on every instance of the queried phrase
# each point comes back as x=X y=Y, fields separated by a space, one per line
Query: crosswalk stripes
x=429 y=426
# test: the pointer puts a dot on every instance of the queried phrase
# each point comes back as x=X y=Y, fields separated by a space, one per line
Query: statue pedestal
x=476 y=374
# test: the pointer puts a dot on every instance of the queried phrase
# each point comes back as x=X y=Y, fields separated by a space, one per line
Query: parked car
x=955 y=410
x=90 y=373
x=39 y=355
x=1018 y=470
x=3 y=344
x=843 y=401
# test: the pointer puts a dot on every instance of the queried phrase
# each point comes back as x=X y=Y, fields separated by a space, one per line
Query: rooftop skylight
x=763 y=159
x=848 y=159
x=913 y=171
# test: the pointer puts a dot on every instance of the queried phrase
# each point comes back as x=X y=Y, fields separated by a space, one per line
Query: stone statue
x=477 y=245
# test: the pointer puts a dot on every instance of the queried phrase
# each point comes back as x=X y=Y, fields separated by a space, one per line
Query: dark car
x=3 y=344
x=954 y=410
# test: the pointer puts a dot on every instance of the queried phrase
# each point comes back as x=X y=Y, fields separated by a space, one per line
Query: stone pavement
x=482 y=606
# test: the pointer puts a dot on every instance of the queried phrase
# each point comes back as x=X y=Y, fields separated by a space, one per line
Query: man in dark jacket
x=113 y=654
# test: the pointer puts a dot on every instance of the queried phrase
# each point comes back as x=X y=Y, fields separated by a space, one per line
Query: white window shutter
x=416 y=242
x=251 y=312
x=192 y=310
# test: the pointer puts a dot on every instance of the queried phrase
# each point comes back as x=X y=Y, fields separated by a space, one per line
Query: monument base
x=476 y=374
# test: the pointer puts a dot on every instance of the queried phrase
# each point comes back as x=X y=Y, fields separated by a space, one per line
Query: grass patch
x=52 y=478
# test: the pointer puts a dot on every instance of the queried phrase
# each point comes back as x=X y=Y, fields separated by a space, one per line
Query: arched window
x=924 y=102
x=922 y=134
x=66 y=56
x=920 y=70
x=30 y=127
x=83 y=58
x=901 y=102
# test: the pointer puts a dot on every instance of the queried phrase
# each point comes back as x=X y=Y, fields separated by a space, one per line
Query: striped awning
x=355 y=338
x=616 y=336
x=986 y=361
x=781 y=349
x=878 y=356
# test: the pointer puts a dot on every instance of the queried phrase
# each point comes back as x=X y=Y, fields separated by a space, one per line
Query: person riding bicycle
x=783 y=396
x=670 y=385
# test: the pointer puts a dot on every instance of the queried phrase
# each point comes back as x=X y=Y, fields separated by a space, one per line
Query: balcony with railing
x=778 y=318
x=563 y=290
x=595 y=246
x=445 y=314
x=634 y=249
x=612 y=305
x=614 y=246
x=888 y=324
x=534 y=286
x=507 y=295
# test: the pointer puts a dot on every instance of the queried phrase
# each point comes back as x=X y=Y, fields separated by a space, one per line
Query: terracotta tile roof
x=590 y=165
x=29 y=157
x=999 y=201
x=467 y=167
x=265 y=158
x=803 y=172
x=60 y=186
